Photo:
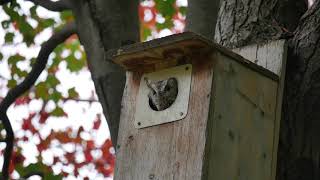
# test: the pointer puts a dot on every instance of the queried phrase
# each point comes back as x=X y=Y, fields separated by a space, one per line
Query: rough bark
x=299 y=153
x=202 y=17
x=253 y=21
x=245 y=22
x=105 y=25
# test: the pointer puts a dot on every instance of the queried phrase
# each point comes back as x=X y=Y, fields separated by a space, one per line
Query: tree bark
x=253 y=21
x=299 y=150
x=245 y=22
x=105 y=25
x=202 y=17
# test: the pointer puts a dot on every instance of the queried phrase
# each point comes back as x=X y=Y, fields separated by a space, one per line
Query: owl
x=162 y=93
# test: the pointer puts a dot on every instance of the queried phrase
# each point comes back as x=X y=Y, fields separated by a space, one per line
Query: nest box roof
x=168 y=51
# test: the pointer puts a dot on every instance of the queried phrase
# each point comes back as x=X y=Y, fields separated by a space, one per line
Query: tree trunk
x=104 y=25
x=245 y=22
x=202 y=17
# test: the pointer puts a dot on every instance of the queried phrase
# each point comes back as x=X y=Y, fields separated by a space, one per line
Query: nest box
x=222 y=121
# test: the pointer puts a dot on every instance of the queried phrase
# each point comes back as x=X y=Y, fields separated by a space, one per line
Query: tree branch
x=80 y=100
x=58 y=6
x=15 y=92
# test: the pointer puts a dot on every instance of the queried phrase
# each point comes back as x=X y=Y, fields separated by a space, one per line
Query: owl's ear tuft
x=148 y=82
x=172 y=81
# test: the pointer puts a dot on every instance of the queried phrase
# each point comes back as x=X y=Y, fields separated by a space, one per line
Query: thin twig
x=57 y=6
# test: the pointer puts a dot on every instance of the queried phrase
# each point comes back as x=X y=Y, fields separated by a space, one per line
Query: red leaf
x=105 y=171
x=62 y=137
x=11 y=167
x=22 y=100
x=64 y=174
x=55 y=160
x=25 y=138
x=42 y=146
x=88 y=156
x=27 y=124
x=90 y=145
x=15 y=25
x=17 y=158
x=149 y=22
x=70 y=157
x=97 y=123
x=72 y=38
x=43 y=117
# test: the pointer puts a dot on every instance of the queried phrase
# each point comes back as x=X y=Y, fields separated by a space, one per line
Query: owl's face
x=162 y=93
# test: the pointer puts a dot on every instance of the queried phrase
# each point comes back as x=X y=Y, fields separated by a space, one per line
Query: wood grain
x=272 y=56
x=231 y=130
x=168 y=151
x=243 y=117
x=172 y=50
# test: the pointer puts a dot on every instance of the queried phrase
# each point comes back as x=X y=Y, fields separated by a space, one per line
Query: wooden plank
x=269 y=55
x=237 y=141
x=243 y=123
x=168 y=151
x=273 y=56
x=172 y=50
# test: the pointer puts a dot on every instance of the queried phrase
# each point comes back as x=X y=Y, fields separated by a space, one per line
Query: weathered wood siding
x=272 y=56
x=243 y=123
x=168 y=151
x=231 y=130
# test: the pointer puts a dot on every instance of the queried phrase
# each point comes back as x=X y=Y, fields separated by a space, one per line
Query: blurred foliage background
x=59 y=127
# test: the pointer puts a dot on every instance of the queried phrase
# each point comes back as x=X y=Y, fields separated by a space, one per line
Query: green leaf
x=167 y=24
x=166 y=7
x=73 y=64
x=14 y=16
x=12 y=83
x=55 y=96
x=47 y=23
x=33 y=12
x=183 y=10
x=146 y=33
x=73 y=93
x=15 y=58
x=51 y=176
x=52 y=81
x=9 y=37
x=66 y=15
x=31 y=168
x=21 y=73
x=58 y=112
x=42 y=91
x=5 y=24
x=1 y=56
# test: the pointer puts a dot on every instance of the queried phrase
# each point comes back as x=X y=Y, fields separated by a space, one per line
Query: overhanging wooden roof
x=168 y=50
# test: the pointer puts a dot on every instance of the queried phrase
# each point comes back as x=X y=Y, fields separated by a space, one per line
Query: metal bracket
x=145 y=116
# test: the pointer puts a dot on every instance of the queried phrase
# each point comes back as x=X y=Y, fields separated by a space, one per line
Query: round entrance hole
x=162 y=93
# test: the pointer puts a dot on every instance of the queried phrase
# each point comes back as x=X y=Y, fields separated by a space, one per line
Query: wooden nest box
x=221 y=120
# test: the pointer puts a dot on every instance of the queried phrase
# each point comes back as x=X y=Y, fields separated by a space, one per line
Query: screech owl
x=162 y=93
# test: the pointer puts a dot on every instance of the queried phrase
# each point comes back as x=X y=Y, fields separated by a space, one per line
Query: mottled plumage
x=162 y=93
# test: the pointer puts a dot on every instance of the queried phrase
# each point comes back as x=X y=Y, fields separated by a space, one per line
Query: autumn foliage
x=69 y=151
